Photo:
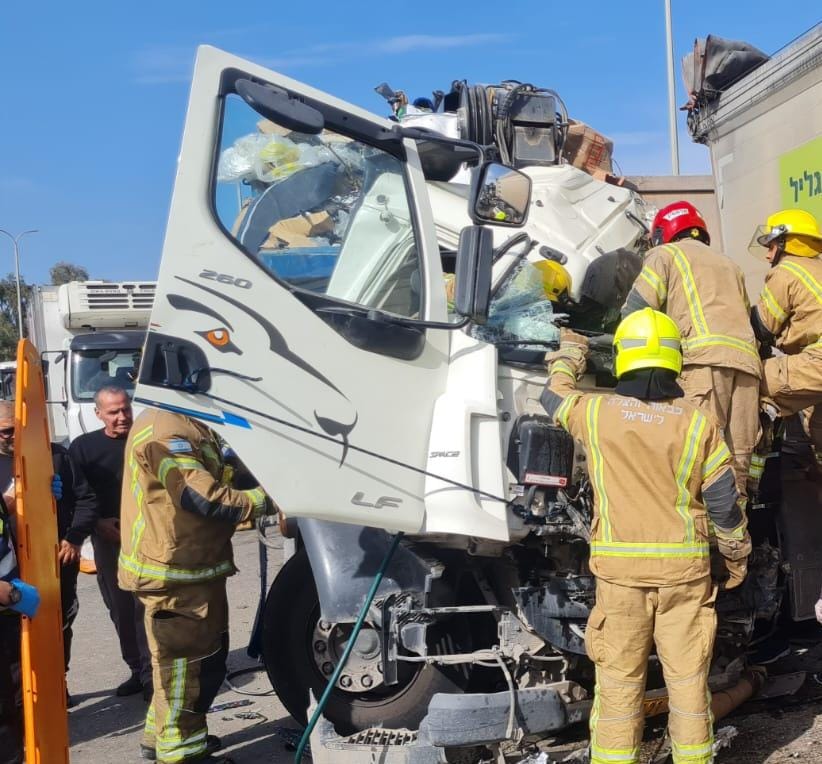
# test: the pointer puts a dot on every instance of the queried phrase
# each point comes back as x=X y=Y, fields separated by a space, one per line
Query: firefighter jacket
x=178 y=513
x=661 y=475
x=8 y=559
x=704 y=293
x=790 y=306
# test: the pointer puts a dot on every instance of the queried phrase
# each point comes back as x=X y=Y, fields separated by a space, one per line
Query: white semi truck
x=89 y=334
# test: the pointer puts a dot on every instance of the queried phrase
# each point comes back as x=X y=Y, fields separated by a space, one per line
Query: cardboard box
x=588 y=149
x=267 y=127
x=297 y=231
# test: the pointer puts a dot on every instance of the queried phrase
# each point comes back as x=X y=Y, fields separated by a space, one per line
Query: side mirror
x=275 y=104
x=500 y=195
x=475 y=261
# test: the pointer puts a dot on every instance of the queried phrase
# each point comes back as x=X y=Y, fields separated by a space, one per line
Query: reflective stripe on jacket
x=704 y=293
x=790 y=306
x=178 y=512
x=661 y=474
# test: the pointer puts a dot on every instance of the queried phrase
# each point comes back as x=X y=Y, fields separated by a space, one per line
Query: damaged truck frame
x=301 y=313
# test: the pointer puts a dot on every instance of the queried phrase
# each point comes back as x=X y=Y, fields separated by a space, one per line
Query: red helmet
x=674 y=219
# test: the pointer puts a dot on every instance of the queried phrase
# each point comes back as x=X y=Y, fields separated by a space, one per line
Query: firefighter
x=178 y=515
x=789 y=316
x=704 y=293
x=661 y=474
x=16 y=597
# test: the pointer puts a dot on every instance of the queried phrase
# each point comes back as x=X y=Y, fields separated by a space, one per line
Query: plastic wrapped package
x=237 y=161
x=520 y=311
x=269 y=158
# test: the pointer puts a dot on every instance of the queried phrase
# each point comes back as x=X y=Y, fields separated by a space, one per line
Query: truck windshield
x=323 y=213
x=94 y=369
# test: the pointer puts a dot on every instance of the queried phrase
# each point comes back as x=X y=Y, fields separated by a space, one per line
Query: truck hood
x=572 y=213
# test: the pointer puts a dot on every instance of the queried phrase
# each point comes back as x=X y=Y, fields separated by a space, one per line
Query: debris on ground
x=251 y=716
x=229 y=704
x=723 y=738
x=290 y=738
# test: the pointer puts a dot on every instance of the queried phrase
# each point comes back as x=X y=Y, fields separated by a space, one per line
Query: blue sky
x=94 y=93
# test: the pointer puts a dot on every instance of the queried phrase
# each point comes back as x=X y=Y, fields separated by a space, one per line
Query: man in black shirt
x=75 y=503
x=99 y=456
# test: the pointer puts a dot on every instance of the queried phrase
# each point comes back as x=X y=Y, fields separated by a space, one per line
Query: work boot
x=131 y=686
x=213 y=743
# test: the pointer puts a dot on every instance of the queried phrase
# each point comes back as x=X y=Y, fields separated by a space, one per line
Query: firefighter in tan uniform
x=662 y=477
x=789 y=316
x=178 y=517
x=704 y=293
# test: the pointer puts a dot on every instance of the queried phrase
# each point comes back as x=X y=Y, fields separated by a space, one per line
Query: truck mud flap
x=372 y=745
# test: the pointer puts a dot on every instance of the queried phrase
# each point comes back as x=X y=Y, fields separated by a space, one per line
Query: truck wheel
x=292 y=634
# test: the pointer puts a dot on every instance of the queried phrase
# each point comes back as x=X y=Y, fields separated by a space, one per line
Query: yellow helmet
x=555 y=279
x=647 y=339
x=796 y=230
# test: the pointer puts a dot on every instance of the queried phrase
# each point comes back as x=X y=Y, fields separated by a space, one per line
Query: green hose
x=312 y=722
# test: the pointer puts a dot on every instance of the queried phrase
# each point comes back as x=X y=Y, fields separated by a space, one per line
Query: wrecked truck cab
x=301 y=313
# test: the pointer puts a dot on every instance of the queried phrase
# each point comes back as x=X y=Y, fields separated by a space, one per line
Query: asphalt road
x=106 y=730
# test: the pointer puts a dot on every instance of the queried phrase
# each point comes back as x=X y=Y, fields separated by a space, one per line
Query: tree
x=63 y=272
x=8 y=315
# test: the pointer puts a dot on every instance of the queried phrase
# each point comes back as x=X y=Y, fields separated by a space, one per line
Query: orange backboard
x=44 y=680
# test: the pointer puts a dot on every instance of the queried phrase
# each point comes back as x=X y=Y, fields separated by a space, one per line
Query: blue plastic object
x=306 y=263
x=29 y=601
x=57 y=487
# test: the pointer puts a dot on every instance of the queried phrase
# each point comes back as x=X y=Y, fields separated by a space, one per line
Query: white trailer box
x=765 y=137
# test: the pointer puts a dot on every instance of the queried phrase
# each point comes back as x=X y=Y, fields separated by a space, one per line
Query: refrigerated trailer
x=89 y=335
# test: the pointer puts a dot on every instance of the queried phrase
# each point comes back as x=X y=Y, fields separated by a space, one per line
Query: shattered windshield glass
x=520 y=311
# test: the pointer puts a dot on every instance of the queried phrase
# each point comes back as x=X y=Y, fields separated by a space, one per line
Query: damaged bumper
x=452 y=721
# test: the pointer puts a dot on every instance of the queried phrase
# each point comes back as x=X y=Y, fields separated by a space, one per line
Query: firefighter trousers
x=11 y=690
x=187 y=631
x=794 y=383
x=732 y=398
x=624 y=624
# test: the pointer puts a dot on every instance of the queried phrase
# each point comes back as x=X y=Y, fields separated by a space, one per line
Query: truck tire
x=292 y=611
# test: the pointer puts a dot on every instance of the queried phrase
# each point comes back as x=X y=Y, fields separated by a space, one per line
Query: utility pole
x=16 y=241
x=669 y=39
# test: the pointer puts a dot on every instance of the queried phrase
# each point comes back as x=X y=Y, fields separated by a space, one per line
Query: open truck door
x=299 y=281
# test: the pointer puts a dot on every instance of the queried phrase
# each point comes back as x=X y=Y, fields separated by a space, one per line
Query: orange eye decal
x=220 y=339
